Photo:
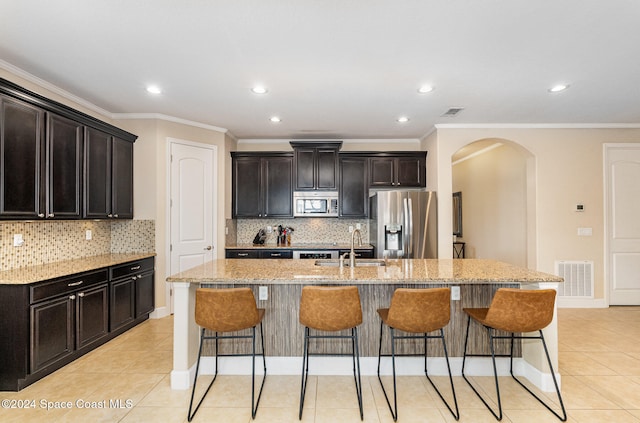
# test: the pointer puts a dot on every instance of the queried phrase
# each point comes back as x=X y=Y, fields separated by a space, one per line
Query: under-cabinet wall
x=52 y=241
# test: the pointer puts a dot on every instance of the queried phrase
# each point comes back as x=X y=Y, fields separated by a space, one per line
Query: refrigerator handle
x=411 y=234
x=405 y=229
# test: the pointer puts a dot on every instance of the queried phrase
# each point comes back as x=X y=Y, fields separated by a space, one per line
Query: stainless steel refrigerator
x=404 y=224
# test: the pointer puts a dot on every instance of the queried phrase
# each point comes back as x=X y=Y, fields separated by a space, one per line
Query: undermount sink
x=359 y=262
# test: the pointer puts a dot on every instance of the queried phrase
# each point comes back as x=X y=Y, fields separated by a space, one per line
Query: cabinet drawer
x=132 y=268
x=61 y=286
x=284 y=254
x=242 y=254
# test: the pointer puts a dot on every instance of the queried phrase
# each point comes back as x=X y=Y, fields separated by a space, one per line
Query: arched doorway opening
x=496 y=181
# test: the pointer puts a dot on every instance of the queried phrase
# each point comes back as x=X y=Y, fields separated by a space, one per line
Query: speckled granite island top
x=274 y=271
x=31 y=274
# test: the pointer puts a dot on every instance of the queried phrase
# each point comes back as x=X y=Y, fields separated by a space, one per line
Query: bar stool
x=417 y=311
x=516 y=311
x=228 y=310
x=331 y=309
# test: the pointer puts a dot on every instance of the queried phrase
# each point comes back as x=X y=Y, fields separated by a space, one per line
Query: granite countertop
x=31 y=274
x=286 y=271
x=298 y=246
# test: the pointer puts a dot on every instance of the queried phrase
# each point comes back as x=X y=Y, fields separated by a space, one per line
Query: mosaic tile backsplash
x=305 y=230
x=52 y=241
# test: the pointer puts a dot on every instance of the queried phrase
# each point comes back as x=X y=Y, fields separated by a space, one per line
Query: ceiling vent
x=453 y=111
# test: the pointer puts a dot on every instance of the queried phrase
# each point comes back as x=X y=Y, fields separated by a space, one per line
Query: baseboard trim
x=568 y=302
x=343 y=366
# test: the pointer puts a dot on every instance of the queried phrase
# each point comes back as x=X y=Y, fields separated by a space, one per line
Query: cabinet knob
x=109 y=215
x=134 y=277
x=208 y=248
x=72 y=297
x=115 y=215
x=81 y=294
x=40 y=214
x=50 y=215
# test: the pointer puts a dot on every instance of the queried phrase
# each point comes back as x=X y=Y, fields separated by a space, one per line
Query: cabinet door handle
x=75 y=283
x=135 y=268
x=243 y=254
x=72 y=297
x=208 y=247
x=81 y=294
x=276 y=255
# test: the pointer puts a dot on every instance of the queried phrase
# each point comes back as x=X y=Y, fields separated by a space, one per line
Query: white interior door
x=623 y=223
x=192 y=205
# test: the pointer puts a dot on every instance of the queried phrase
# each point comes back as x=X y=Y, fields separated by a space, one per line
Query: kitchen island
x=283 y=281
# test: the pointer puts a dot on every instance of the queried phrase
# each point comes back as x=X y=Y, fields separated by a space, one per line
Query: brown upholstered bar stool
x=416 y=311
x=331 y=309
x=228 y=310
x=516 y=311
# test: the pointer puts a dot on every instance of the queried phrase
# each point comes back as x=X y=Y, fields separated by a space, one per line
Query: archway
x=496 y=179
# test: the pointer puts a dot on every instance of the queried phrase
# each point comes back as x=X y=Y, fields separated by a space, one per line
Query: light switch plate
x=585 y=231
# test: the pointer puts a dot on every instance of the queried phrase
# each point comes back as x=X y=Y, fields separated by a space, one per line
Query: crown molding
x=537 y=126
x=53 y=88
x=160 y=116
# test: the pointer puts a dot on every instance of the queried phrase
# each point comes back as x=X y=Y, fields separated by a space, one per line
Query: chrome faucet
x=352 y=254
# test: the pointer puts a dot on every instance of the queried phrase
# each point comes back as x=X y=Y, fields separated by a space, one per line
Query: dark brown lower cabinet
x=48 y=324
x=55 y=336
x=123 y=307
x=52 y=336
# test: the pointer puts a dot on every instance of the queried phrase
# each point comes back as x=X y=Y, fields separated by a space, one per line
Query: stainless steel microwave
x=315 y=203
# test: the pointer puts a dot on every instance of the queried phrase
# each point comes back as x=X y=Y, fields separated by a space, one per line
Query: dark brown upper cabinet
x=354 y=189
x=41 y=173
x=398 y=170
x=316 y=165
x=108 y=176
x=59 y=163
x=262 y=185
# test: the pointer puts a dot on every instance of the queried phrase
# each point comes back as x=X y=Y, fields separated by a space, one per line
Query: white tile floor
x=599 y=363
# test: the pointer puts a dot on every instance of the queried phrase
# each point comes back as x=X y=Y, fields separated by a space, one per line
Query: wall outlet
x=263 y=293
x=455 y=293
x=18 y=240
x=87 y=234
x=350 y=228
x=358 y=226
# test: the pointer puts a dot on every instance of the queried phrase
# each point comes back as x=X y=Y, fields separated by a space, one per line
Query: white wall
x=568 y=171
x=494 y=204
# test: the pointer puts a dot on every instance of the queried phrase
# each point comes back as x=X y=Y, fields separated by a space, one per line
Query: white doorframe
x=214 y=148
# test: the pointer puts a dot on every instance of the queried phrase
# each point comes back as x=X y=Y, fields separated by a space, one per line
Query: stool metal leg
x=305 y=371
x=356 y=355
x=195 y=379
x=553 y=376
x=455 y=414
x=492 y=338
x=498 y=415
x=254 y=405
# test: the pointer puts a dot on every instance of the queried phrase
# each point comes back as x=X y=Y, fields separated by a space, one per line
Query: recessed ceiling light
x=425 y=89
x=154 y=89
x=259 y=89
x=558 y=88
x=275 y=119
x=403 y=119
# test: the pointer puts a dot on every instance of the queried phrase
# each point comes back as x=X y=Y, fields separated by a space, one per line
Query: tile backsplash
x=305 y=230
x=52 y=241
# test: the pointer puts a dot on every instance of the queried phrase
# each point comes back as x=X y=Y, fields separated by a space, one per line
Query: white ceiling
x=336 y=68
